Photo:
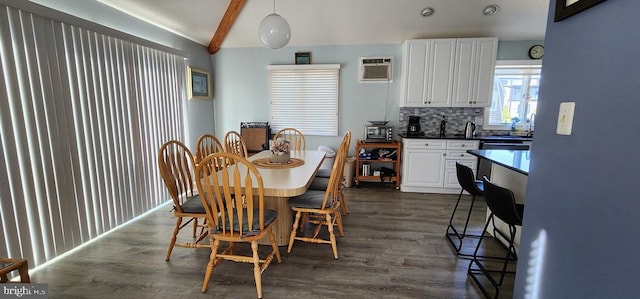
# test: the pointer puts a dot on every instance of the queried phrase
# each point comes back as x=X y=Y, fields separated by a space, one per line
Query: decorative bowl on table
x=280 y=151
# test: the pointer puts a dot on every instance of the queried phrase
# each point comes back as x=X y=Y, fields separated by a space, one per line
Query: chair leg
x=510 y=253
x=332 y=237
x=256 y=268
x=195 y=226
x=294 y=231
x=451 y=230
x=455 y=208
x=274 y=246
x=466 y=223
x=174 y=237
x=338 y=219
x=473 y=272
x=24 y=273
x=303 y=222
x=210 y=265
x=481 y=269
x=345 y=206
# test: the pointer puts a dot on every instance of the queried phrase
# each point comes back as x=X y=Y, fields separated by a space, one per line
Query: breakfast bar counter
x=509 y=169
x=516 y=160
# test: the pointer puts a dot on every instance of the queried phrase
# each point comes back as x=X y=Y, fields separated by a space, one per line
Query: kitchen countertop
x=482 y=138
x=516 y=160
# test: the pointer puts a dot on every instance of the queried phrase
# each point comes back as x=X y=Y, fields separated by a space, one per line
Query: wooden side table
x=7 y=265
x=394 y=163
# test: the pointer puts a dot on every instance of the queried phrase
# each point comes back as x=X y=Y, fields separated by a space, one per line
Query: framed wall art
x=199 y=83
x=303 y=57
x=567 y=8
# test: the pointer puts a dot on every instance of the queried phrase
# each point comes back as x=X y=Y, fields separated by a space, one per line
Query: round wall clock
x=536 y=52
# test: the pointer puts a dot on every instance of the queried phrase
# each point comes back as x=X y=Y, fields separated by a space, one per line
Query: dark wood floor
x=394 y=247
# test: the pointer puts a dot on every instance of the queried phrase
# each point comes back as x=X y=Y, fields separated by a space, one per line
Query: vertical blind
x=305 y=97
x=82 y=115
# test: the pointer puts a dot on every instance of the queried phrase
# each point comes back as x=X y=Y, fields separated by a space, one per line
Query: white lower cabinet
x=429 y=165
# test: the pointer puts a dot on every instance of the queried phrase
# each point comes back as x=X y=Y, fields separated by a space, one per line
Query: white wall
x=240 y=87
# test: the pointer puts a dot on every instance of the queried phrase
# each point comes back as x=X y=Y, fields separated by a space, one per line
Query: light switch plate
x=565 y=118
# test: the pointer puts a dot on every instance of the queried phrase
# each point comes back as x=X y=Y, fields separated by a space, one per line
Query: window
x=82 y=117
x=515 y=95
x=305 y=97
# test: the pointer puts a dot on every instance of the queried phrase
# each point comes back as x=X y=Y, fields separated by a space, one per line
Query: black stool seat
x=502 y=204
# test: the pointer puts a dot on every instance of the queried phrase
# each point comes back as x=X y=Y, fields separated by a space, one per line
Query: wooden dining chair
x=234 y=143
x=225 y=176
x=294 y=136
x=321 y=182
x=176 y=165
x=321 y=208
x=207 y=144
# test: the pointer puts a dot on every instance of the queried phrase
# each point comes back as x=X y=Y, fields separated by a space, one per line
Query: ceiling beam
x=233 y=10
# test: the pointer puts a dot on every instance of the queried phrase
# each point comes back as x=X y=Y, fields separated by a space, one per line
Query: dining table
x=283 y=181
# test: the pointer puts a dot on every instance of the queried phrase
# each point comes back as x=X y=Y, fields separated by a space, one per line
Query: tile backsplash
x=430 y=119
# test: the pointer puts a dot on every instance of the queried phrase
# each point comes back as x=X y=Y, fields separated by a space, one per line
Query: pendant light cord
x=274 y=6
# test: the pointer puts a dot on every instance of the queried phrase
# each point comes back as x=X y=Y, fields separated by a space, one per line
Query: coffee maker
x=413 y=128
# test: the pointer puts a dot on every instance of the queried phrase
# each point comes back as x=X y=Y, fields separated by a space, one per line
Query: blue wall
x=583 y=188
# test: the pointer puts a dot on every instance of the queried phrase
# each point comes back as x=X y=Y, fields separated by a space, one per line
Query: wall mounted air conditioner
x=375 y=69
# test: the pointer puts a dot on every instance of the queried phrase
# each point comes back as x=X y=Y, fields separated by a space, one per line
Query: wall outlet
x=565 y=118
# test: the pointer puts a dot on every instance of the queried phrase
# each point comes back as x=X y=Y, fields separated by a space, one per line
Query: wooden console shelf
x=394 y=164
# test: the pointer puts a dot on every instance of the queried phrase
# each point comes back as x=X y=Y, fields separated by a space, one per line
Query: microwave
x=378 y=133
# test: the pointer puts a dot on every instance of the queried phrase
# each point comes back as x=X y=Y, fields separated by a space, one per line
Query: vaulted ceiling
x=340 y=22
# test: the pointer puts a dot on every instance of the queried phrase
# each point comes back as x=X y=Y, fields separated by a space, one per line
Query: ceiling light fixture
x=274 y=31
x=427 y=12
x=491 y=10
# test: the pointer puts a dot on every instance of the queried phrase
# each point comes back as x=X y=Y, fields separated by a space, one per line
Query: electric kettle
x=470 y=130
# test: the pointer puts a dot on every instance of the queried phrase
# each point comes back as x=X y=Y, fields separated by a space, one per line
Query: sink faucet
x=531 y=118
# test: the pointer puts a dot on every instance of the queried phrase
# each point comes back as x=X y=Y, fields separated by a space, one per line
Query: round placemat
x=266 y=163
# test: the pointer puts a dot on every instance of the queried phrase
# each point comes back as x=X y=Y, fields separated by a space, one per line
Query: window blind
x=305 y=97
x=82 y=117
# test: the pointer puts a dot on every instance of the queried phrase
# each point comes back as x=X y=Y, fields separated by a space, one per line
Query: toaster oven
x=378 y=133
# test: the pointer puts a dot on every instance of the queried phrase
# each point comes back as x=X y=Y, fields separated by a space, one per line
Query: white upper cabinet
x=439 y=67
x=448 y=72
x=415 y=53
x=474 y=71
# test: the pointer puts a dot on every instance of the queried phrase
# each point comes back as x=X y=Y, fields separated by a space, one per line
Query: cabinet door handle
x=444 y=154
x=464 y=145
x=426 y=144
x=461 y=155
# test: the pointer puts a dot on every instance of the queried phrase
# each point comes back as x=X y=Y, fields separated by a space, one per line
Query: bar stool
x=502 y=204
x=7 y=265
x=467 y=181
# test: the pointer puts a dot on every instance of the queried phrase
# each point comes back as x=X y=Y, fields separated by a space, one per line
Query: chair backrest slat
x=332 y=195
x=176 y=166
x=207 y=144
x=294 y=136
x=234 y=143
x=231 y=194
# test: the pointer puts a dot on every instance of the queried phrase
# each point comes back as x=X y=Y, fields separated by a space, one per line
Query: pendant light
x=274 y=30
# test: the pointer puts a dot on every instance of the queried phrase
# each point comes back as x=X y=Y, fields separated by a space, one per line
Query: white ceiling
x=339 y=22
